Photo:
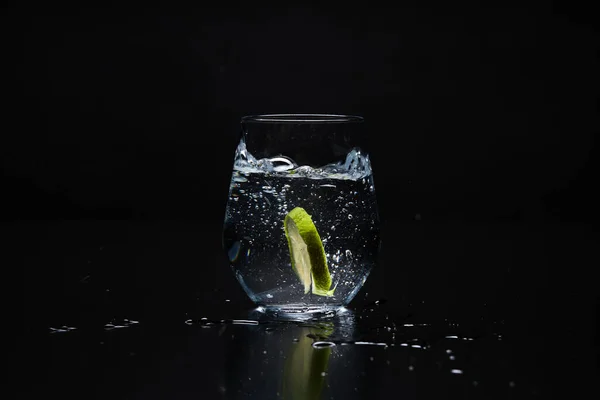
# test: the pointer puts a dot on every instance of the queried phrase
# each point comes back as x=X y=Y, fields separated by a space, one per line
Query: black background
x=473 y=113
x=119 y=129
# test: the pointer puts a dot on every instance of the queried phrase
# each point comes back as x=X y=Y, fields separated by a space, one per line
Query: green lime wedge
x=307 y=253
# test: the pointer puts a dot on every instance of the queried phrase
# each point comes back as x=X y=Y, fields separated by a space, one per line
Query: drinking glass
x=301 y=227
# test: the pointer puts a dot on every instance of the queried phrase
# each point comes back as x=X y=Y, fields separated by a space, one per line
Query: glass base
x=300 y=312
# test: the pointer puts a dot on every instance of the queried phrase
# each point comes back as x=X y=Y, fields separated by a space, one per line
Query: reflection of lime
x=307 y=252
x=305 y=369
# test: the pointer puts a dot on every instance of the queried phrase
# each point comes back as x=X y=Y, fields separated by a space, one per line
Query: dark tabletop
x=150 y=309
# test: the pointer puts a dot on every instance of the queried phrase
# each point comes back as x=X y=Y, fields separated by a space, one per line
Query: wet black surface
x=150 y=310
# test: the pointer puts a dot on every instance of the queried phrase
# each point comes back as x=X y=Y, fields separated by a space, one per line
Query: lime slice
x=307 y=253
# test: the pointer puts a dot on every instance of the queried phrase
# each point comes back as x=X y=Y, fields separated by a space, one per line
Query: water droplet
x=269 y=296
x=371 y=358
x=244 y=322
x=323 y=373
x=452 y=358
x=62 y=329
x=296 y=340
x=456 y=371
x=371 y=343
x=411 y=368
x=320 y=345
x=511 y=384
x=227 y=300
x=448 y=351
x=264 y=352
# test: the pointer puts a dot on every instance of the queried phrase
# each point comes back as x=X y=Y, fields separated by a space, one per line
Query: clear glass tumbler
x=301 y=225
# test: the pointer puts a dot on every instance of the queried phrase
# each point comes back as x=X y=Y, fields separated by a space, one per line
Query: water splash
x=356 y=166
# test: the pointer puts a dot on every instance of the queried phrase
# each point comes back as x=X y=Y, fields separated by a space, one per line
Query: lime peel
x=307 y=254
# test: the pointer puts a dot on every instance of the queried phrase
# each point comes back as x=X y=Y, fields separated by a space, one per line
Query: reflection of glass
x=284 y=360
x=318 y=163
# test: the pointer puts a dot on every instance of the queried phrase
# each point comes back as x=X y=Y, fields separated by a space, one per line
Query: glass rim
x=302 y=118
